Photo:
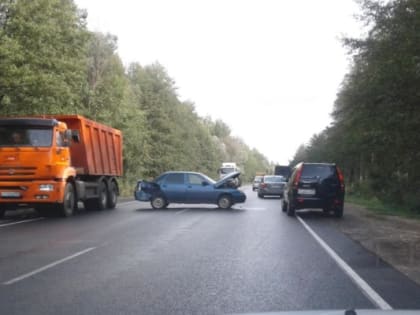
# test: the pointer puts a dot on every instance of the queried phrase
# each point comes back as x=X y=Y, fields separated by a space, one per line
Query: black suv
x=314 y=185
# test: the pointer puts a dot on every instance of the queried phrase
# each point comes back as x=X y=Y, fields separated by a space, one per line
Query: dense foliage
x=50 y=63
x=376 y=118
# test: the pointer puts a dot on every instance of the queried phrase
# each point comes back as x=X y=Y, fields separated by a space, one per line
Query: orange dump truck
x=52 y=162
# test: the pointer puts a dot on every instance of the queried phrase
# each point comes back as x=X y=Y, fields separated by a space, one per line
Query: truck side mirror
x=72 y=135
x=75 y=135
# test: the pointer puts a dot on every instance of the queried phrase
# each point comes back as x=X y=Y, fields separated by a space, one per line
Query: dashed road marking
x=53 y=264
x=19 y=222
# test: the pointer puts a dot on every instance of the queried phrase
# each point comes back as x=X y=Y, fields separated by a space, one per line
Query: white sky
x=269 y=68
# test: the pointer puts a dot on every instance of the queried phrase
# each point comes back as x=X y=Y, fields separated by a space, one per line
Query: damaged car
x=190 y=188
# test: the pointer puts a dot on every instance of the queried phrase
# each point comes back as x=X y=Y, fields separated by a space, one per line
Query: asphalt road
x=190 y=260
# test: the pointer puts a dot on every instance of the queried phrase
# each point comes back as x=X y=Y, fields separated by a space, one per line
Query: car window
x=176 y=178
x=194 y=179
x=319 y=171
x=273 y=179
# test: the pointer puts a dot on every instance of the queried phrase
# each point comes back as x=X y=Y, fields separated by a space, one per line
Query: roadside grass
x=380 y=207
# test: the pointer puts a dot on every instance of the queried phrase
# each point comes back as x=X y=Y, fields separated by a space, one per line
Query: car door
x=199 y=190
x=174 y=187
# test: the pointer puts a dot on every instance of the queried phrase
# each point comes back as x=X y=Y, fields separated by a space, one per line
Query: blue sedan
x=190 y=187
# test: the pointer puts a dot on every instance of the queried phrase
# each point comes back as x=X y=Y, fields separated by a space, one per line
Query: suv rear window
x=319 y=171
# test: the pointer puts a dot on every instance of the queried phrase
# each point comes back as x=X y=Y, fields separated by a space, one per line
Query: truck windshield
x=26 y=136
x=227 y=170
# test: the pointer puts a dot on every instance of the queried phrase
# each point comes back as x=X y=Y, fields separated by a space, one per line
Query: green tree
x=42 y=56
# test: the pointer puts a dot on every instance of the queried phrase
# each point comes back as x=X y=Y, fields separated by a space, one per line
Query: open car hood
x=227 y=178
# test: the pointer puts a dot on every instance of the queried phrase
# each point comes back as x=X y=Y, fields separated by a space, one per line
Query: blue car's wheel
x=224 y=202
x=158 y=202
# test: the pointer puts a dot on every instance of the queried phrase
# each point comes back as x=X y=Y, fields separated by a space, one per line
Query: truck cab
x=34 y=158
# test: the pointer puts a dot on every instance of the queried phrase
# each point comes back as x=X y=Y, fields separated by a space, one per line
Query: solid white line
x=362 y=284
x=19 y=222
x=34 y=272
x=182 y=211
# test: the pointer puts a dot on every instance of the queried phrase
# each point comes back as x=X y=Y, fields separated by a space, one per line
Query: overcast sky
x=269 y=68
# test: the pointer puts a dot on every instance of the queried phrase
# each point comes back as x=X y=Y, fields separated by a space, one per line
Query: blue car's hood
x=221 y=182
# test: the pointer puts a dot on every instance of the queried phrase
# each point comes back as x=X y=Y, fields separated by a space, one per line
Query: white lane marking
x=362 y=284
x=252 y=208
x=53 y=264
x=181 y=211
x=19 y=222
x=128 y=202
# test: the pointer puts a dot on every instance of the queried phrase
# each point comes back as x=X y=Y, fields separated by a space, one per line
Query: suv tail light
x=263 y=185
x=341 y=178
x=297 y=177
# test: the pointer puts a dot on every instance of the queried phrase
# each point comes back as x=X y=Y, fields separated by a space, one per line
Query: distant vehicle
x=52 y=162
x=283 y=170
x=315 y=185
x=227 y=168
x=256 y=182
x=191 y=188
x=271 y=185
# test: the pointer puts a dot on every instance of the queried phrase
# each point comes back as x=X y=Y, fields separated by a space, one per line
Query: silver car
x=271 y=185
x=256 y=182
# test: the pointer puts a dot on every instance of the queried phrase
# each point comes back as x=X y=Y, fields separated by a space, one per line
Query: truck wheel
x=66 y=209
x=290 y=209
x=158 y=202
x=112 y=196
x=224 y=202
x=102 y=199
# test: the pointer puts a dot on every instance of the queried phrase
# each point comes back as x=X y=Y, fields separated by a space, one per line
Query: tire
x=260 y=195
x=68 y=207
x=2 y=212
x=224 y=202
x=158 y=202
x=338 y=212
x=112 y=196
x=283 y=206
x=290 y=210
x=102 y=200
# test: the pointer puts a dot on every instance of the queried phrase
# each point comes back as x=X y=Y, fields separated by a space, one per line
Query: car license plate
x=10 y=194
x=306 y=192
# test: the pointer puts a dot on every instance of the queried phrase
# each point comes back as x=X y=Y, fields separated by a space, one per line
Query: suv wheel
x=338 y=211
x=283 y=206
x=290 y=209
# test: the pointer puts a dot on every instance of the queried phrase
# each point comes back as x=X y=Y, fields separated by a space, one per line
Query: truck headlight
x=46 y=187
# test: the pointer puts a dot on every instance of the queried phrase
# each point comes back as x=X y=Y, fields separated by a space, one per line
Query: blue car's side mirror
x=204 y=183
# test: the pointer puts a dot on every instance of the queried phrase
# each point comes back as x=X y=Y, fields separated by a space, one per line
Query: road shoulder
x=396 y=240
